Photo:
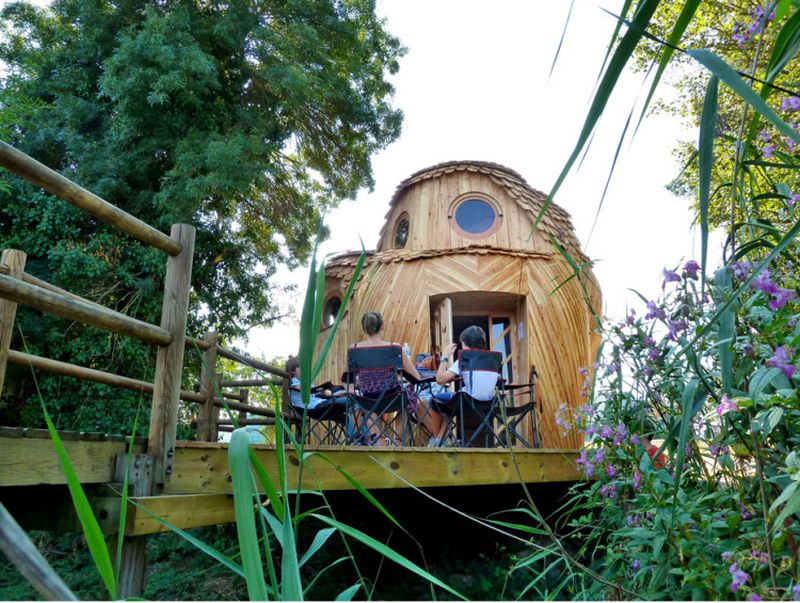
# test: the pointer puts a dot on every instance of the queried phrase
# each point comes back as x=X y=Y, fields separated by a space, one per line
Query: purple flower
x=725 y=405
x=781 y=297
x=727 y=555
x=755 y=597
x=609 y=490
x=630 y=318
x=637 y=480
x=767 y=151
x=796 y=592
x=649 y=342
x=588 y=470
x=738 y=577
x=669 y=277
x=790 y=103
x=629 y=520
x=741 y=270
x=653 y=311
x=690 y=269
x=795 y=197
x=611 y=471
x=744 y=512
x=599 y=456
x=590 y=431
x=676 y=327
x=636 y=565
x=606 y=432
x=764 y=282
x=780 y=359
x=635 y=440
x=763 y=558
x=764 y=136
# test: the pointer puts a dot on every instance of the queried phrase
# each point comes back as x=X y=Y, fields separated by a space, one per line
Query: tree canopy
x=246 y=119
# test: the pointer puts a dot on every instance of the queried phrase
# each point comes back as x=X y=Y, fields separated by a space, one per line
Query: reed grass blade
x=705 y=147
x=242 y=480
x=785 y=48
x=561 y=41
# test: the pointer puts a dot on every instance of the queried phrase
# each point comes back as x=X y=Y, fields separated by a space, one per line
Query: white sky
x=474 y=85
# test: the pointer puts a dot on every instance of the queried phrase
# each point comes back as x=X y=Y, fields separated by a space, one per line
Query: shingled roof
x=556 y=221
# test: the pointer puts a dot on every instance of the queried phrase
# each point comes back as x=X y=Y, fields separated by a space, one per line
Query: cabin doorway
x=500 y=315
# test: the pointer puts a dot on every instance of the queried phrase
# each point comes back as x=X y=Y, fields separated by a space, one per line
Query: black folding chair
x=375 y=372
x=469 y=416
x=326 y=422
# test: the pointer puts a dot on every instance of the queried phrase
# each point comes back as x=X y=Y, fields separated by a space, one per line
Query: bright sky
x=474 y=85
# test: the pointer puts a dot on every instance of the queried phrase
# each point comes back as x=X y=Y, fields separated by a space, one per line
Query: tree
x=742 y=35
x=246 y=119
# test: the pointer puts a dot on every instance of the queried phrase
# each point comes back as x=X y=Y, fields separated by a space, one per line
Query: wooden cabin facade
x=456 y=249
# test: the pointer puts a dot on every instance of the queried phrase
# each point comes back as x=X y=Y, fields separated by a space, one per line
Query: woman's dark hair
x=291 y=365
x=372 y=322
x=474 y=337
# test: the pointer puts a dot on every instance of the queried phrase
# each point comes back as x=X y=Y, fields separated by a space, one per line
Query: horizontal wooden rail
x=87 y=313
x=243 y=422
x=253 y=410
x=251 y=383
x=53 y=182
x=65 y=369
x=251 y=362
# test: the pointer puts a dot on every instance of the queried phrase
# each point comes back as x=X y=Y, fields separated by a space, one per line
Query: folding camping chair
x=375 y=371
x=468 y=416
x=326 y=422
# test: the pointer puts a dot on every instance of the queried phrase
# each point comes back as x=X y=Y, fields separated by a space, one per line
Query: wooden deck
x=199 y=490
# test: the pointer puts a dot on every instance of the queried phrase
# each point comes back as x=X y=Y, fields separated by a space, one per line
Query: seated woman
x=375 y=384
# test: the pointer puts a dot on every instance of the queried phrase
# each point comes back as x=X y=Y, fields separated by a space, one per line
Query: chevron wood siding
x=557 y=329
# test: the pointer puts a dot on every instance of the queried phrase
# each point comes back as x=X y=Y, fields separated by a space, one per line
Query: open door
x=442 y=324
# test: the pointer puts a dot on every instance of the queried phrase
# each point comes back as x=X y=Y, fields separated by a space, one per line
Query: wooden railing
x=17 y=287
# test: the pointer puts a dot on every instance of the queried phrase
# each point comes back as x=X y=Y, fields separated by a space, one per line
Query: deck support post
x=14 y=261
x=133 y=564
x=169 y=363
x=207 y=417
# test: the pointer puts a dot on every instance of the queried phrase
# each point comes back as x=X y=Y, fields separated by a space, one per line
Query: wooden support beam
x=182 y=511
x=53 y=182
x=133 y=567
x=207 y=417
x=261 y=411
x=242 y=422
x=202 y=468
x=33 y=461
x=169 y=362
x=87 y=313
x=14 y=262
x=14 y=542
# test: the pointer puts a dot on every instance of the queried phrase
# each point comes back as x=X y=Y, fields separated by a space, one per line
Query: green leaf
x=705 y=147
x=389 y=553
x=243 y=493
x=785 y=48
x=725 y=332
x=348 y=593
x=622 y=54
x=320 y=538
x=791 y=507
x=787 y=493
x=683 y=20
x=733 y=80
x=91 y=529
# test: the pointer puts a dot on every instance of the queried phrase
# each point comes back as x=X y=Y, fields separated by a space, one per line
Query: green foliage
x=247 y=121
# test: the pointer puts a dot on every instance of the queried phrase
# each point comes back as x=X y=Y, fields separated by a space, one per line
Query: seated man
x=482 y=389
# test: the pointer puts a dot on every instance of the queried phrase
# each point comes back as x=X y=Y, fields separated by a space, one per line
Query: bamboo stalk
x=63 y=188
x=87 y=313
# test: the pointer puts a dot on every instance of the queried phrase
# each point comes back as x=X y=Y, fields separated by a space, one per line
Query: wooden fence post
x=14 y=261
x=133 y=566
x=207 y=417
x=169 y=364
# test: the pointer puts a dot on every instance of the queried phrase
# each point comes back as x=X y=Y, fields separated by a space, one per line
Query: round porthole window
x=475 y=217
x=331 y=310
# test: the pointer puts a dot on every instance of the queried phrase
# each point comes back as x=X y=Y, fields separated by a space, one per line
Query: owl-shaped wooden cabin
x=457 y=249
